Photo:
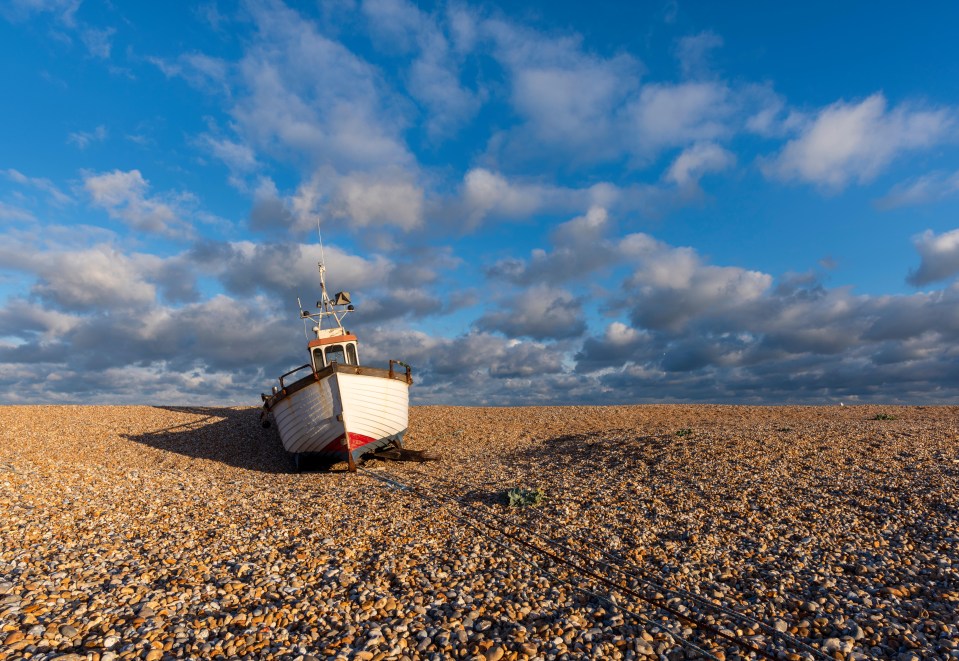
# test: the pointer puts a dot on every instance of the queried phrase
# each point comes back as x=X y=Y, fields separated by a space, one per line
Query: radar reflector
x=341 y=298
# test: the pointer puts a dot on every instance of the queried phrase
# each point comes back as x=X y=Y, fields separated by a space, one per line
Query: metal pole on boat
x=324 y=297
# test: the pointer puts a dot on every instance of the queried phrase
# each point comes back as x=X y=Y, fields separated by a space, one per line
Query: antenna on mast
x=328 y=307
x=304 y=315
x=319 y=233
x=324 y=302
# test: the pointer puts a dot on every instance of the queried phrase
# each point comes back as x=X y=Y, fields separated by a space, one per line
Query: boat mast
x=327 y=306
x=324 y=302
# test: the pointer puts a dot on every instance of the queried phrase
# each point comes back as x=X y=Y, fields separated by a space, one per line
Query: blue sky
x=558 y=203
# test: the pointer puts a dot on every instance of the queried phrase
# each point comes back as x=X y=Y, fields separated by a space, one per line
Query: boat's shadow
x=231 y=436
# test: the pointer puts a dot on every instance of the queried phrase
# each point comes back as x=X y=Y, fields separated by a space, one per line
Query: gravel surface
x=168 y=532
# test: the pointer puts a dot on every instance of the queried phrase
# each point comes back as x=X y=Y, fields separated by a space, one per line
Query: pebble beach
x=143 y=532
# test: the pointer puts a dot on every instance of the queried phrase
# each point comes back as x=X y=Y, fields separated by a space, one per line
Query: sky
x=530 y=203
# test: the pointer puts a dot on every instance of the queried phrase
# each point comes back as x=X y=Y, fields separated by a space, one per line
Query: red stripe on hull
x=356 y=441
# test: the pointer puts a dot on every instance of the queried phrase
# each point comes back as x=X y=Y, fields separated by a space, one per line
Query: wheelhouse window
x=336 y=353
x=343 y=354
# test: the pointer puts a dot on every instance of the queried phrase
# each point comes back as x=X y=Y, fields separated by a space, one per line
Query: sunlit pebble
x=154 y=533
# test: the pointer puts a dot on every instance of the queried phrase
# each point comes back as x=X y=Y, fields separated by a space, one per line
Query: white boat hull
x=341 y=411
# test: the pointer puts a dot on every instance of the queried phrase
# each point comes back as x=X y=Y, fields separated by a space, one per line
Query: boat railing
x=293 y=371
x=356 y=369
x=409 y=378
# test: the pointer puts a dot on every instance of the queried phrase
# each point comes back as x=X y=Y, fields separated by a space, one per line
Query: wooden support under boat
x=350 y=460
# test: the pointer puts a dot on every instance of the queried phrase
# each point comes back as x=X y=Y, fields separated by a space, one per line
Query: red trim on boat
x=356 y=440
x=359 y=440
x=331 y=340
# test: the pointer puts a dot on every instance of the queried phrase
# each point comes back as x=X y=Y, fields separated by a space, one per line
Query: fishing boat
x=333 y=407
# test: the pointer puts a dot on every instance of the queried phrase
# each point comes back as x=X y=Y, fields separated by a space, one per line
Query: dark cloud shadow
x=227 y=435
x=616 y=453
x=612 y=451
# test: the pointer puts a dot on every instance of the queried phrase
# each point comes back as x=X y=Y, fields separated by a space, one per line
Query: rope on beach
x=439 y=502
x=631 y=570
x=430 y=493
x=689 y=595
x=658 y=603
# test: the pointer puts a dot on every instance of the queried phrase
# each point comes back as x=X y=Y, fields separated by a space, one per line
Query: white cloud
x=539 y=312
x=767 y=114
x=397 y=24
x=222 y=332
x=698 y=160
x=570 y=99
x=99 y=278
x=124 y=196
x=766 y=120
x=9 y=212
x=21 y=10
x=463 y=28
x=83 y=139
x=221 y=344
x=693 y=53
x=286 y=270
x=97 y=40
x=369 y=201
x=582 y=230
x=672 y=286
x=697 y=331
x=358 y=201
x=39 y=183
x=487 y=193
x=711 y=332
x=559 y=99
x=456 y=369
x=237 y=156
x=581 y=246
x=856 y=141
x=939 y=257
x=922 y=190
x=63 y=12
x=204 y=72
x=667 y=116
x=306 y=97
x=433 y=77
x=619 y=334
x=573 y=105
x=269 y=211
x=23 y=318
x=210 y=14
x=435 y=82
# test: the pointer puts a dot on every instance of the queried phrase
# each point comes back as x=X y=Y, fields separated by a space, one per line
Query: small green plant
x=520 y=497
x=685 y=431
x=884 y=416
